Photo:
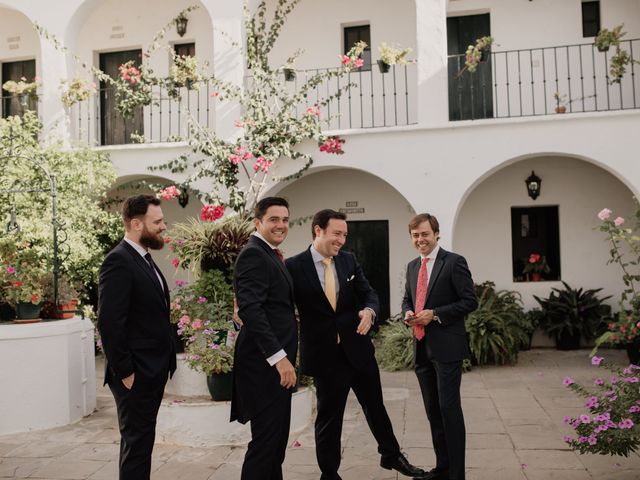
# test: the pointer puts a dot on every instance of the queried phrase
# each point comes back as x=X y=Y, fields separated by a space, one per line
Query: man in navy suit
x=137 y=338
x=438 y=294
x=337 y=307
x=266 y=347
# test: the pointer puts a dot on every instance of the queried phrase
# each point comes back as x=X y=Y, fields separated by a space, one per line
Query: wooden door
x=369 y=240
x=470 y=94
x=114 y=128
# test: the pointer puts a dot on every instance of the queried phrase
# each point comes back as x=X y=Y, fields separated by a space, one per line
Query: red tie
x=279 y=253
x=421 y=296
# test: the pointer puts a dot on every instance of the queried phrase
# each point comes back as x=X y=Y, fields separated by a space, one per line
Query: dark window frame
x=363 y=32
x=590 y=18
x=189 y=46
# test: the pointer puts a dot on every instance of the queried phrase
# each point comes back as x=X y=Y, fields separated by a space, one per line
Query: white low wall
x=47 y=374
x=200 y=422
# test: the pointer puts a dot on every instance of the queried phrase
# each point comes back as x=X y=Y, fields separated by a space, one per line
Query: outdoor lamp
x=533 y=185
x=181 y=25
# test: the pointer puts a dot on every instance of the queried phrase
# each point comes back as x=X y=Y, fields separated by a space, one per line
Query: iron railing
x=367 y=99
x=518 y=83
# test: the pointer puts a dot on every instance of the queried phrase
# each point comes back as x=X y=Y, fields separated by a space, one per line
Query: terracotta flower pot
x=561 y=109
x=536 y=277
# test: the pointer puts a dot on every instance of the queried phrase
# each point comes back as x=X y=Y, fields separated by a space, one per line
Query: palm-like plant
x=394 y=345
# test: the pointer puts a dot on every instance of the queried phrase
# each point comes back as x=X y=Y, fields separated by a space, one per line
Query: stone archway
x=578 y=188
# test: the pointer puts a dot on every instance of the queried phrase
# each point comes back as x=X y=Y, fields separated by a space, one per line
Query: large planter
x=383 y=66
x=27 y=312
x=7 y=312
x=568 y=341
x=633 y=351
x=220 y=386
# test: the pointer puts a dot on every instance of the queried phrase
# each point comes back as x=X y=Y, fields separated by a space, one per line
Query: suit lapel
x=274 y=257
x=309 y=268
x=142 y=263
x=435 y=273
x=414 y=268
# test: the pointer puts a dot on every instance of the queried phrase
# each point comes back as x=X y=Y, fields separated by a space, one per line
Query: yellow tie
x=329 y=282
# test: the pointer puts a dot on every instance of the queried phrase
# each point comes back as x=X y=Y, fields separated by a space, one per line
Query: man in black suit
x=438 y=294
x=337 y=307
x=267 y=344
x=133 y=320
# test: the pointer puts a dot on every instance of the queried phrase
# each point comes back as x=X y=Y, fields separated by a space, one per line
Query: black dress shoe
x=401 y=465
x=434 y=474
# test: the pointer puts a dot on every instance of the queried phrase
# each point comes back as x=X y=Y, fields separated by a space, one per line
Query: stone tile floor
x=513 y=417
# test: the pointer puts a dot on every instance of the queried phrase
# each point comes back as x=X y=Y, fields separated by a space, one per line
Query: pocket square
x=350 y=278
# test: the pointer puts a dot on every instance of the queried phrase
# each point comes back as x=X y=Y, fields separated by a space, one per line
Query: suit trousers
x=137 y=412
x=332 y=392
x=440 y=386
x=269 y=437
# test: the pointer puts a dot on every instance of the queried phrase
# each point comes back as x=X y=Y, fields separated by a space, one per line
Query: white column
x=431 y=43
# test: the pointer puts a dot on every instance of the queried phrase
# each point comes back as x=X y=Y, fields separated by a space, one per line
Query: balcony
x=522 y=83
x=368 y=99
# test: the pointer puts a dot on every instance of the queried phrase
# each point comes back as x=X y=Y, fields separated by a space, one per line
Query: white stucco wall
x=579 y=189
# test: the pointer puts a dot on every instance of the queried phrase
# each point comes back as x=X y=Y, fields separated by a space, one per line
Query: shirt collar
x=434 y=253
x=316 y=255
x=257 y=234
x=138 y=248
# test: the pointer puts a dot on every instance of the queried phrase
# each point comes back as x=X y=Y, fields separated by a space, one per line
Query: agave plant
x=495 y=329
x=572 y=312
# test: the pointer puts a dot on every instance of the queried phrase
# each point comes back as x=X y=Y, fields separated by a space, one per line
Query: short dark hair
x=322 y=219
x=136 y=206
x=263 y=205
x=424 y=217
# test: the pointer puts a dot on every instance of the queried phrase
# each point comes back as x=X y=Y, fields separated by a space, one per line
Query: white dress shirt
x=143 y=251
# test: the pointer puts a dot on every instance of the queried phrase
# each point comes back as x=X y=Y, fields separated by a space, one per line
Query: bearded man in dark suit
x=337 y=307
x=438 y=294
x=266 y=347
x=137 y=338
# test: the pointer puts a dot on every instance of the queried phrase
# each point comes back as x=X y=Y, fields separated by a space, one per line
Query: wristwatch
x=435 y=316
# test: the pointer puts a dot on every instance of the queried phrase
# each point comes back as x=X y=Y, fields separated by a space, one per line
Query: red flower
x=211 y=213
x=534 y=258
x=34 y=298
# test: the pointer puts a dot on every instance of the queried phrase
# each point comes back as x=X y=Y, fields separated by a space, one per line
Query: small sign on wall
x=351 y=204
x=352 y=210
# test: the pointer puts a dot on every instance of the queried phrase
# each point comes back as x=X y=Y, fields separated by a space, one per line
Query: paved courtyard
x=513 y=417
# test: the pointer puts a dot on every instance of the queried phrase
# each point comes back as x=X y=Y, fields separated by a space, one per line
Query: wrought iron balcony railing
x=518 y=83
x=368 y=99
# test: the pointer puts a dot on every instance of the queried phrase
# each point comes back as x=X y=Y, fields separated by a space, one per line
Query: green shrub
x=495 y=329
x=394 y=345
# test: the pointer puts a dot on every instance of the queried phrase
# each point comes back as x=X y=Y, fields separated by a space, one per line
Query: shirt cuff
x=276 y=357
x=373 y=314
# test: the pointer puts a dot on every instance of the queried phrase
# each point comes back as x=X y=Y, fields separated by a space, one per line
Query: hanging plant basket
x=383 y=66
x=289 y=74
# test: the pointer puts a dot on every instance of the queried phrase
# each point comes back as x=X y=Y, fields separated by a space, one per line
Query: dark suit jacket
x=319 y=324
x=264 y=291
x=133 y=317
x=450 y=292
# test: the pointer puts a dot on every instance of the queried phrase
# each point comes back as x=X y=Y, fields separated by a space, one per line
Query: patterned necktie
x=279 y=253
x=421 y=296
x=329 y=282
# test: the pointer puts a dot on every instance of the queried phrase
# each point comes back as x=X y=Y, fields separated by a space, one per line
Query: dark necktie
x=152 y=266
x=279 y=253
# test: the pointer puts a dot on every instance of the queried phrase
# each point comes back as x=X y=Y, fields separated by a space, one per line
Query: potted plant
x=618 y=65
x=561 y=102
x=289 y=72
x=535 y=266
x=570 y=314
x=76 y=90
x=67 y=299
x=203 y=313
x=606 y=38
x=391 y=55
x=477 y=53
x=24 y=284
x=24 y=90
x=184 y=73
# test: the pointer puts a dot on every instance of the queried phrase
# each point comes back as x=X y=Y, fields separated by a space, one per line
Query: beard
x=150 y=240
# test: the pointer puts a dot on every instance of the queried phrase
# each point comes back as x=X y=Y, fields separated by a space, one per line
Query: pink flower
x=345 y=59
x=595 y=360
x=211 y=213
x=215 y=94
x=175 y=262
x=333 y=145
x=359 y=63
x=262 y=164
x=313 y=111
x=604 y=214
x=180 y=283
x=201 y=299
x=197 y=324
x=11 y=270
x=567 y=381
x=626 y=423
x=169 y=193
x=184 y=320
x=618 y=221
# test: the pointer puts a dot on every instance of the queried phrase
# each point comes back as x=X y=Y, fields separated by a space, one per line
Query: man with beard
x=133 y=320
